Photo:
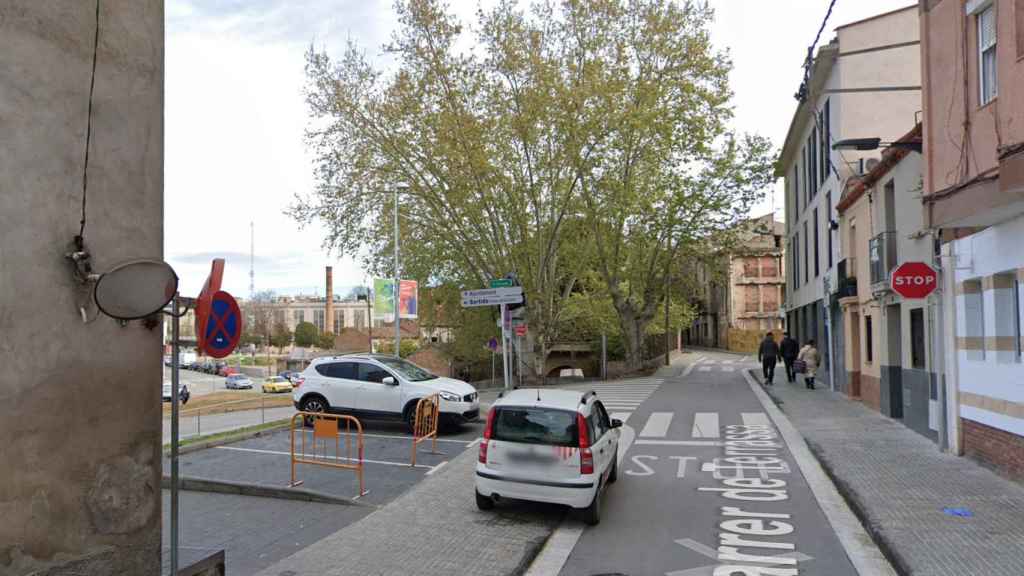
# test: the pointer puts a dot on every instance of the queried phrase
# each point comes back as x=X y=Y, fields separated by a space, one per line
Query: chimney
x=329 y=312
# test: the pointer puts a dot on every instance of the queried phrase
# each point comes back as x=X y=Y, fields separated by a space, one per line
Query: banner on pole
x=384 y=299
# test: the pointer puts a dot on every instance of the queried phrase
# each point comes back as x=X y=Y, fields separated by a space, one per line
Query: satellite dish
x=136 y=289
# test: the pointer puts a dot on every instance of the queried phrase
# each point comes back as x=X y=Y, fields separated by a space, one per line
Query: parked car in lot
x=379 y=386
x=276 y=384
x=226 y=371
x=207 y=367
x=183 y=396
x=555 y=446
x=238 y=382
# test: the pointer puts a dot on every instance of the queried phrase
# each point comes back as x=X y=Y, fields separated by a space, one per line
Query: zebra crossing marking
x=705 y=425
x=704 y=369
x=657 y=424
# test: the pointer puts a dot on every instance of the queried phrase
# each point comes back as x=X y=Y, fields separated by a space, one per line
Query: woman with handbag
x=810 y=358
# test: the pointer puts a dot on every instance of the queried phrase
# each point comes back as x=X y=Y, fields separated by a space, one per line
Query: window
x=751 y=298
x=1017 y=319
x=339 y=321
x=828 y=223
x=796 y=260
x=869 y=340
x=987 y=81
x=796 y=192
x=372 y=373
x=974 y=320
x=817 y=270
x=346 y=370
x=1006 y=298
x=1019 y=9
x=917 y=338
x=360 y=319
x=299 y=316
x=318 y=320
x=807 y=244
x=769 y=298
x=535 y=426
x=278 y=317
x=826 y=141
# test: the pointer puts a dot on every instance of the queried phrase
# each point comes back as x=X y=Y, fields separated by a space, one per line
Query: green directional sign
x=501 y=283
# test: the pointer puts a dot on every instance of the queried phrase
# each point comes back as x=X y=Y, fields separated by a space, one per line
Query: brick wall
x=994 y=448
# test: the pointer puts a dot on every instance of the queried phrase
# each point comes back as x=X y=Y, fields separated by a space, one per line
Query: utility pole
x=397 y=288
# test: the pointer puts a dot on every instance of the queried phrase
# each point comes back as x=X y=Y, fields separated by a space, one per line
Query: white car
x=381 y=386
x=555 y=446
x=238 y=382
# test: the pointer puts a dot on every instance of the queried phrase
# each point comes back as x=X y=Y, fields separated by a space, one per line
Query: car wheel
x=313 y=404
x=592 y=513
x=614 y=474
x=484 y=502
x=410 y=418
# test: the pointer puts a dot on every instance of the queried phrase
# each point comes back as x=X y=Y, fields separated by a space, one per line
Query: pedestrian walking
x=810 y=357
x=768 y=355
x=789 y=349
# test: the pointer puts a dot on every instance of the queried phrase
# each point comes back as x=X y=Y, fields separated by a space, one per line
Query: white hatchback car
x=555 y=446
x=380 y=386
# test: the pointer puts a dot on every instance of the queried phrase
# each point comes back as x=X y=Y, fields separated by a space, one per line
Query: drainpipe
x=827 y=302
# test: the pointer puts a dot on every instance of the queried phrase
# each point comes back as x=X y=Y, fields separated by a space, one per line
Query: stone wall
x=80 y=416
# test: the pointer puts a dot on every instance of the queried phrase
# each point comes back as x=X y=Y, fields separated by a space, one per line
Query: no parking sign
x=223 y=326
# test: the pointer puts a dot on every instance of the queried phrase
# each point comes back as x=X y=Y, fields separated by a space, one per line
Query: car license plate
x=537 y=456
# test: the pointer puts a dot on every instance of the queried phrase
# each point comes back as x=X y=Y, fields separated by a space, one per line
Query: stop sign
x=914 y=280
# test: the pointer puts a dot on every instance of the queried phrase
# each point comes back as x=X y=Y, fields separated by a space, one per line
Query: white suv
x=380 y=386
x=555 y=446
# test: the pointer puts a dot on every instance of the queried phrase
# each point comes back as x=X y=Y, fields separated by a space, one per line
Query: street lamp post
x=397 y=287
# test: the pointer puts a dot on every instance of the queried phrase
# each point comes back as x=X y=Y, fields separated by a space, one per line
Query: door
x=605 y=444
x=373 y=394
x=340 y=381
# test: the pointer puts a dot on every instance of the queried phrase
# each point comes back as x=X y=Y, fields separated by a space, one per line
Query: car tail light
x=487 y=436
x=586 y=456
x=298 y=382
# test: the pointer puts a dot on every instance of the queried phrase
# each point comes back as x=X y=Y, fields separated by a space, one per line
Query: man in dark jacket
x=768 y=354
x=789 y=348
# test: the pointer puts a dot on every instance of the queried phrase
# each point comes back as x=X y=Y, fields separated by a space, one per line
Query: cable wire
x=802 y=93
x=88 y=122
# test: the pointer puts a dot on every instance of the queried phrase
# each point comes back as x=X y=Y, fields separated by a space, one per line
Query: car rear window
x=535 y=426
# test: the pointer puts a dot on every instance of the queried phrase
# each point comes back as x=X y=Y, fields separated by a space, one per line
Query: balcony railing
x=882 y=250
x=846 y=271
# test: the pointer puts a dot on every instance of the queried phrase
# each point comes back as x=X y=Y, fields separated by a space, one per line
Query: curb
x=204 y=444
x=859 y=543
x=195 y=484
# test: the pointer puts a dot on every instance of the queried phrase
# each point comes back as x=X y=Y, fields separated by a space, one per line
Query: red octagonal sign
x=914 y=280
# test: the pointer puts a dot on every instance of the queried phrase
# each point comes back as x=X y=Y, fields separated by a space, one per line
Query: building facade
x=973 y=72
x=736 y=311
x=865 y=83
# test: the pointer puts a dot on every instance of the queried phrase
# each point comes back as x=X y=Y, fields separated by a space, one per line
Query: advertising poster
x=384 y=299
x=408 y=299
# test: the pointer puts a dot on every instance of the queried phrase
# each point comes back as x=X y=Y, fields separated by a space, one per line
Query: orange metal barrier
x=425 y=424
x=326 y=427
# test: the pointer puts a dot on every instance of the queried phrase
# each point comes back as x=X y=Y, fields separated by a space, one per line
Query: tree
x=305 y=334
x=583 y=136
x=407 y=348
x=281 y=336
x=326 y=341
x=259 y=315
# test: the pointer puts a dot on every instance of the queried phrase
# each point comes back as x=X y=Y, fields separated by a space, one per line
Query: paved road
x=681 y=509
x=213 y=423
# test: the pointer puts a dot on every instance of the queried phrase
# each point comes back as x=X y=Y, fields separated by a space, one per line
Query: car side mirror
x=389 y=380
x=616 y=423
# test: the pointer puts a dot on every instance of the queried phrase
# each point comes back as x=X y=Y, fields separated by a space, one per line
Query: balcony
x=882 y=252
x=846 y=271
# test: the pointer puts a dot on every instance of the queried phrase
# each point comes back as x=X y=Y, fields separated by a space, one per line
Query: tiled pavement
x=899 y=484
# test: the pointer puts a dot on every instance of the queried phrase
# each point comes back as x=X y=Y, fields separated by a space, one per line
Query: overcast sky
x=235 y=116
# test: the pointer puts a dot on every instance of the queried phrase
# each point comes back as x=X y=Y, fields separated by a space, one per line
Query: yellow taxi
x=277 y=384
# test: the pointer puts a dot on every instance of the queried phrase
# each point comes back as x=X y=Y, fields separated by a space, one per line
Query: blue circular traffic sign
x=224 y=327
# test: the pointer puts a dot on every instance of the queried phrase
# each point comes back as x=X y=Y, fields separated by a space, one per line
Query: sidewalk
x=899 y=484
x=434 y=529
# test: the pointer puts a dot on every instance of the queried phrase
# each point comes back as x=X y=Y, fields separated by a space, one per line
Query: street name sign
x=501 y=283
x=492 y=296
x=914 y=280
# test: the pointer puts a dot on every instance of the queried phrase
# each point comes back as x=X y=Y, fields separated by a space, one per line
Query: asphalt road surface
x=680 y=508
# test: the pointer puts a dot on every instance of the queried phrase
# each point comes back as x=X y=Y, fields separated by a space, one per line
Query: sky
x=235 y=118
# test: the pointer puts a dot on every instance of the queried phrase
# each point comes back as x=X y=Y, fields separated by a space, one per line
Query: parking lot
x=199 y=383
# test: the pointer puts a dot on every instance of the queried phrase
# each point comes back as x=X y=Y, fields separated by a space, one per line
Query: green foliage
x=305 y=334
x=281 y=336
x=325 y=341
x=250 y=338
x=407 y=348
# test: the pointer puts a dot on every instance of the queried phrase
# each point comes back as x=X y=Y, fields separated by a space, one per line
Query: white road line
x=679 y=442
x=436 y=468
x=279 y=453
x=705 y=425
x=756 y=419
x=704 y=369
x=396 y=437
x=657 y=424
x=728 y=368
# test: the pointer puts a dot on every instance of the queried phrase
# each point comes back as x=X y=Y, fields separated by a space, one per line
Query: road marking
x=436 y=468
x=704 y=369
x=657 y=424
x=679 y=442
x=624 y=416
x=279 y=453
x=728 y=368
x=556 y=550
x=681 y=469
x=647 y=470
x=705 y=425
x=756 y=419
x=397 y=437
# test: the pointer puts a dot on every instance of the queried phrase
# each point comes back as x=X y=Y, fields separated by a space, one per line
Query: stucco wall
x=79 y=403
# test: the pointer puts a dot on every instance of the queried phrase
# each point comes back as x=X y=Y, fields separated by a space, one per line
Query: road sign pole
x=175 y=391
x=504 y=347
